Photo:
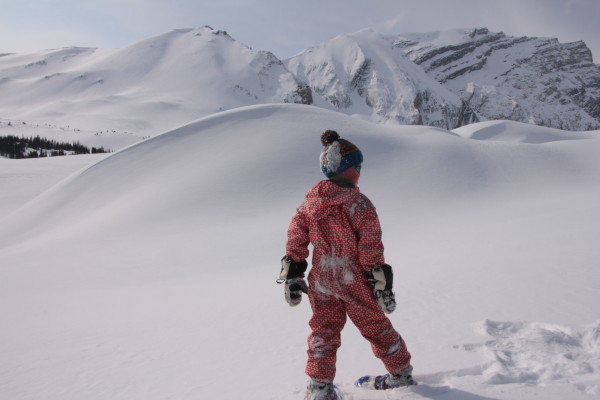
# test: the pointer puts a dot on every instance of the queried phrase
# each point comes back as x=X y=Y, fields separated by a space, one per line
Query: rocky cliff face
x=527 y=79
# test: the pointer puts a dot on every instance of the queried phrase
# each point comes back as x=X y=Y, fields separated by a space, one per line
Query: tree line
x=34 y=147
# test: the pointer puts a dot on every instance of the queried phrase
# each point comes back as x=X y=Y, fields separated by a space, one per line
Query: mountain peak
x=147 y=86
x=361 y=73
x=479 y=32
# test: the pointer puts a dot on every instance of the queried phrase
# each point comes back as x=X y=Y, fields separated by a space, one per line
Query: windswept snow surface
x=151 y=274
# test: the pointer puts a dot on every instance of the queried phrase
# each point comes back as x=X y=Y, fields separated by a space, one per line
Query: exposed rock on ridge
x=526 y=79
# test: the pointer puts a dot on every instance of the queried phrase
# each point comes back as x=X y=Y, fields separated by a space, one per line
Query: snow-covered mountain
x=443 y=79
x=363 y=74
x=147 y=87
x=527 y=79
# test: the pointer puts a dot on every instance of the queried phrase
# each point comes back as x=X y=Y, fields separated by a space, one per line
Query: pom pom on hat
x=338 y=155
x=329 y=137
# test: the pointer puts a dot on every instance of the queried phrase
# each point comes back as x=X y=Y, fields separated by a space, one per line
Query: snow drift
x=150 y=274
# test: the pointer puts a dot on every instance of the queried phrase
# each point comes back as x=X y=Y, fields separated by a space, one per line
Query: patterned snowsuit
x=343 y=227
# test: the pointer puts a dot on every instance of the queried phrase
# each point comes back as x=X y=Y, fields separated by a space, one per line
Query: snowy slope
x=23 y=180
x=150 y=274
x=362 y=74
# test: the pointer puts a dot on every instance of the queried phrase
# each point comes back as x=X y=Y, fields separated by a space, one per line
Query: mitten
x=292 y=273
x=293 y=291
x=382 y=279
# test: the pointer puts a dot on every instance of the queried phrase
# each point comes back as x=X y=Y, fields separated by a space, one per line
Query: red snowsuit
x=343 y=227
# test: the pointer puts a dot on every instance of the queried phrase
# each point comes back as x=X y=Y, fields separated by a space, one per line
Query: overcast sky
x=284 y=27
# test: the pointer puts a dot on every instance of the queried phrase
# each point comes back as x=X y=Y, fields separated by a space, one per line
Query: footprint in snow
x=536 y=353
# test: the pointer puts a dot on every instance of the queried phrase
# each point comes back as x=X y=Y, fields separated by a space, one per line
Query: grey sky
x=282 y=26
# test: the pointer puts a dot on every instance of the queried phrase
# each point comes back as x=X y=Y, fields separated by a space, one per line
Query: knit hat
x=338 y=155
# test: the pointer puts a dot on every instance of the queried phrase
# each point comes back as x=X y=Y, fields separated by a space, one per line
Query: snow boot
x=388 y=381
x=321 y=391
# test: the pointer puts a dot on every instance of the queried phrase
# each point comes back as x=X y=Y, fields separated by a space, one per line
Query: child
x=349 y=276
